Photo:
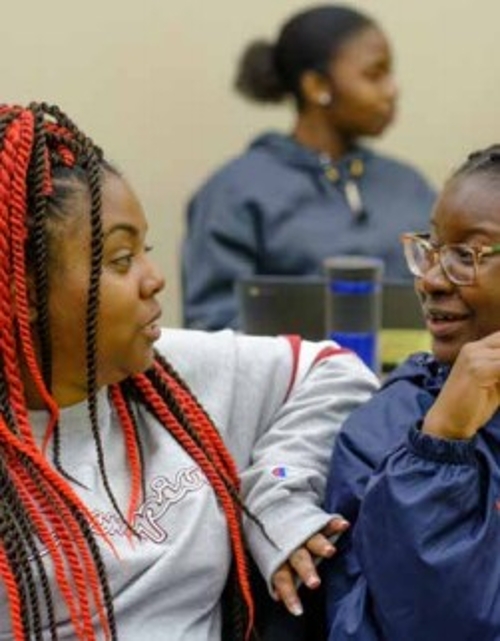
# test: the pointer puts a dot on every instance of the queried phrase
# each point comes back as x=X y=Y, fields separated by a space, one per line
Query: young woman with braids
x=417 y=469
x=126 y=507
x=293 y=199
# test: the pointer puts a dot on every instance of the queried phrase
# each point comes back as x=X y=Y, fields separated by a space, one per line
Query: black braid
x=101 y=571
x=38 y=250
x=234 y=612
x=38 y=256
x=15 y=527
x=482 y=161
x=94 y=179
x=5 y=408
x=90 y=540
x=191 y=430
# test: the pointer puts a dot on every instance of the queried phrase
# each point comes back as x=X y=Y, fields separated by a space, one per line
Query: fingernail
x=296 y=608
x=312 y=581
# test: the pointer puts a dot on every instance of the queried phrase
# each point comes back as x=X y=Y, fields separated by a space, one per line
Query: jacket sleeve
x=278 y=402
x=419 y=564
x=284 y=483
x=220 y=247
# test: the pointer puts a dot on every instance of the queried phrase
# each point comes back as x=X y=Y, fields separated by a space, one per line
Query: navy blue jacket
x=422 y=559
x=273 y=210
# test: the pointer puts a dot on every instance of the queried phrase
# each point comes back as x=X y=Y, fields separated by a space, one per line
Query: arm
x=419 y=564
x=284 y=485
x=434 y=507
x=221 y=246
x=278 y=404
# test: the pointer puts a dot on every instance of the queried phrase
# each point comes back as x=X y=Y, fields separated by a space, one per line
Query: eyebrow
x=123 y=227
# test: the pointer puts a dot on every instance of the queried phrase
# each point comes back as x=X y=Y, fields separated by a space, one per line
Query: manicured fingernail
x=312 y=582
x=296 y=608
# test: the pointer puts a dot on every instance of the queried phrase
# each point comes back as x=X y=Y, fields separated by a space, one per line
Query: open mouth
x=445 y=317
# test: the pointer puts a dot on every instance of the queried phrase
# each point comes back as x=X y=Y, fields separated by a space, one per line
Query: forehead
x=363 y=48
x=120 y=206
x=468 y=206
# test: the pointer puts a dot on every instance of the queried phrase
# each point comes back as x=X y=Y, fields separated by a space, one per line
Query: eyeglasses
x=459 y=262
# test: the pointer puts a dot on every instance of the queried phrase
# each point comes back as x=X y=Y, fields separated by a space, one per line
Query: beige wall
x=150 y=81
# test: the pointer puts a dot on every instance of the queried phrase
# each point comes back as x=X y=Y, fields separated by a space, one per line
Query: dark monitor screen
x=270 y=305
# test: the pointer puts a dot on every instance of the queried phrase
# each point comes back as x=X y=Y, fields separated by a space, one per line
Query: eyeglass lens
x=457 y=261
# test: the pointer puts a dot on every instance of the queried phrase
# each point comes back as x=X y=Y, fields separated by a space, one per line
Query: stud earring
x=324 y=99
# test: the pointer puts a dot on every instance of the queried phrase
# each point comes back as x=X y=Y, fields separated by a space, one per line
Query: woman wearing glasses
x=417 y=469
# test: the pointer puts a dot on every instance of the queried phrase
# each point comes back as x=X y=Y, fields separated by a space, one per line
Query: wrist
x=447 y=431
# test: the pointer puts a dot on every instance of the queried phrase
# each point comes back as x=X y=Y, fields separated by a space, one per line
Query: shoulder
x=259 y=159
x=376 y=428
x=404 y=397
x=203 y=354
x=227 y=354
x=397 y=169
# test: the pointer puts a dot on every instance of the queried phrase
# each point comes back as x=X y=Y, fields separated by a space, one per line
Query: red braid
x=13 y=596
x=54 y=504
x=132 y=449
x=32 y=146
x=167 y=419
x=8 y=159
x=197 y=416
x=18 y=225
x=47 y=502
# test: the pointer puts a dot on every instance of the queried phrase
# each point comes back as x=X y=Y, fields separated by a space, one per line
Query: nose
x=153 y=280
x=434 y=280
x=391 y=88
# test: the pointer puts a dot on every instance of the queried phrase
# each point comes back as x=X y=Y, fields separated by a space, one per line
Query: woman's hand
x=471 y=394
x=301 y=565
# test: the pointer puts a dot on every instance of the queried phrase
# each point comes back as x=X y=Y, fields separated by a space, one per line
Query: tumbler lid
x=352 y=267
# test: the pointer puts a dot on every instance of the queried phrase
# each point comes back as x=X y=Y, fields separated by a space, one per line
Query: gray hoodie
x=277 y=210
x=278 y=405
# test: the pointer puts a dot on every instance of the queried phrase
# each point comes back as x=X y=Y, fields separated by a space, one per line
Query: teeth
x=444 y=317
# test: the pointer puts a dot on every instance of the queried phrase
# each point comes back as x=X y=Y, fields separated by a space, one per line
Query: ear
x=316 y=89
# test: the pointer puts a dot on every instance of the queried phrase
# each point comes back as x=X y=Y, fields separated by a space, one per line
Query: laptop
x=270 y=305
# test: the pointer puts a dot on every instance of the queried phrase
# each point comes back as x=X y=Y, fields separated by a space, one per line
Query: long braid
x=163 y=392
x=62 y=510
x=93 y=172
x=132 y=444
x=37 y=203
x=195 y=420
x=35 y=503
x=164 y=413
x=19 y=530
x=43 y=159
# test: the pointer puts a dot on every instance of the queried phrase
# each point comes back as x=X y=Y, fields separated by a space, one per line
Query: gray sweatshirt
x=278 y=405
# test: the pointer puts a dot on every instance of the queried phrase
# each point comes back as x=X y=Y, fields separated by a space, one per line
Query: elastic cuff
x=460 y=451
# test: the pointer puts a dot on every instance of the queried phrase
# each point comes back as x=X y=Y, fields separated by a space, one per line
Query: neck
x=313 y=133
x=69 y=393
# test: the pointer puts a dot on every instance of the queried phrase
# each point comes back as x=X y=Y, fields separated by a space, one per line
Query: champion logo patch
x=280 y=472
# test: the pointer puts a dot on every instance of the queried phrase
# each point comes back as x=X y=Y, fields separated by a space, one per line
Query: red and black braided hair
x=45 y=162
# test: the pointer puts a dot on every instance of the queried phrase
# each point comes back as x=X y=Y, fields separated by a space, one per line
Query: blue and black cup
x=354 y=304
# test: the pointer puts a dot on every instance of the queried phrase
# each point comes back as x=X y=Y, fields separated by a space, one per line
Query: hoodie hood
x=423 y=370
x=293 y=153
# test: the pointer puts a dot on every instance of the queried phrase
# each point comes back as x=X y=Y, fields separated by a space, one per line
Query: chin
x=144 y=364
x=445 y=352
x=378 y=130
x=131 y=368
